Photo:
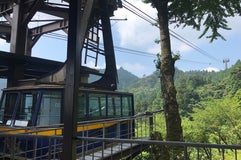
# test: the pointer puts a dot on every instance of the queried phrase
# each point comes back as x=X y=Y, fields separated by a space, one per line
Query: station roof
x=33 y=67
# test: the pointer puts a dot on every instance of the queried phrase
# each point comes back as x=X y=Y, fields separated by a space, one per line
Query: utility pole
x=225 y=61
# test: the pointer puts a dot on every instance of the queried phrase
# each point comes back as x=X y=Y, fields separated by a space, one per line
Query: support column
x=109 y=80
x=76 y=34
x=72 y=79
x=111 y=71
x=18 y=43
x=15 y=73
x=18 y=29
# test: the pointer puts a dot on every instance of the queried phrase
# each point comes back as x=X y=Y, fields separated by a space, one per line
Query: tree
x=210 y=14
x=218 y=122
x=235 y=77
x=187 y=97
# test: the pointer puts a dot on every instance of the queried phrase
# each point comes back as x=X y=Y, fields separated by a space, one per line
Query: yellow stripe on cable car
x=53 y=131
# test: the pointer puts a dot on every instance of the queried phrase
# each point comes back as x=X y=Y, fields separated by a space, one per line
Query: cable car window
x=97 y=105
x=114 y=106
x=82 y=106
x=50 y=108
x=7 y=107
x=26 y=109
x=127 y=106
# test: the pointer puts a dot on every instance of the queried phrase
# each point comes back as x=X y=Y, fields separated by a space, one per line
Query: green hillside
x=209 y=103
x=125 y=78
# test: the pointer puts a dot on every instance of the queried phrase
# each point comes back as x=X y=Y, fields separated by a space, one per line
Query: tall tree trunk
x=167 y=69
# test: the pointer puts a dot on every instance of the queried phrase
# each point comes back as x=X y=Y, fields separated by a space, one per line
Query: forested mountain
x=125 y=78
x=209 y=103
x=192 y=87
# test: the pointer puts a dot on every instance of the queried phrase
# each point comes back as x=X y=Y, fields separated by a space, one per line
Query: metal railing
x=45 y=142
x=117 y=138
x=154 y=148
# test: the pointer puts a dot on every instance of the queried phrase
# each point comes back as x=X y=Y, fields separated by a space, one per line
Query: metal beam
x=77 y=29
x=19 y=30
x=6 y=1
x=35 y=66
x=111 y=71
x=18 y=43
x=7 y=17
x=55 y=11
x=109 y=80
x=61 y=24
x=32 y=10
x=5 y=28
x=6 y=10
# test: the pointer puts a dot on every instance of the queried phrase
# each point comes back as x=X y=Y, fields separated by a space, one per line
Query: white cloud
x=181 y=47
x=188 y=35
x=211 y=69
x=191 y=36
x=136 y=32
x=91 y=64
x=136 y=68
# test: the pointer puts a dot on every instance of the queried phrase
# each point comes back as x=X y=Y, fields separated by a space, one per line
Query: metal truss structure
x=82 y=20
x=16 y=28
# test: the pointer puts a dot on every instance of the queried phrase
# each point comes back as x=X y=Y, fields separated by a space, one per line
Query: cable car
x=42 y=105
x=38 y=110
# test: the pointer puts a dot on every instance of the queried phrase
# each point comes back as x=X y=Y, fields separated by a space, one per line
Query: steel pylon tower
x=225 y=61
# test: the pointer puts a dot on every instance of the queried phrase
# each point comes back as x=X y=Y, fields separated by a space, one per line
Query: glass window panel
x=7 y=107
x=114 y=106
x=97 y=105
x=50 y=108
x=127 y=106
x=82 y=107
x=26 y=109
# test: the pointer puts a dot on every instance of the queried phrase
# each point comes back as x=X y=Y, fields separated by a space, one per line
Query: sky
x=136 y=37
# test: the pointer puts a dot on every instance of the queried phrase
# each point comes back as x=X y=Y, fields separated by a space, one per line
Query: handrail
x=34 y=129
x=148 y=113
x=130 y=137
x=157 y=142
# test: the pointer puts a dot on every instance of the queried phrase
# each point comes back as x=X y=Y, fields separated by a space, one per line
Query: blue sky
x=139 y=35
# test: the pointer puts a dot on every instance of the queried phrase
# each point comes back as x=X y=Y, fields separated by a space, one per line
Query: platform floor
x=119 y=150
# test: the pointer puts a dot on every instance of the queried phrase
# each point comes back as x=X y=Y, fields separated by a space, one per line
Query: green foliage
x=218 y=122
x=209 y=102
x=146 y=91
x=187 y=97
x=158 y=61
x=209 y=99
x=210 y=16
x=176 y=56
x=235 y=78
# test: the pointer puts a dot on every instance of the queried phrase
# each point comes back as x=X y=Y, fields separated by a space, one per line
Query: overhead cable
x=130 y=7
x=120 y=49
